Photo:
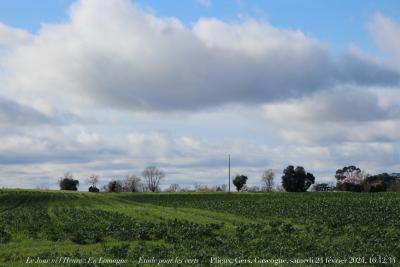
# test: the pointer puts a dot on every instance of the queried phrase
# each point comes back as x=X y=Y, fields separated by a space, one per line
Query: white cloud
x=321 y=111
x=342 y=115
x=10 y=36
x=14 y=114
x=49 y=152
x=256 y=38
x=339 y=105
x=204 y=2
x=386 y=33
x=115 y=55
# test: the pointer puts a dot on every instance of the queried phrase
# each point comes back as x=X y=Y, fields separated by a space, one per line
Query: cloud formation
x=342 y=115
x=14 y=114
x=10 y=36
x=386 y=33
x=113 y=54
x=204 y=2
x=268 y=96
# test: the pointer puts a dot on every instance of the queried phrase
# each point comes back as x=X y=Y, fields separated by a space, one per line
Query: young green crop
x=197 y=226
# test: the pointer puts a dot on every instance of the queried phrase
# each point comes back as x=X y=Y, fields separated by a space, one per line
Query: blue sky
x=110 y=87
x=335 y=22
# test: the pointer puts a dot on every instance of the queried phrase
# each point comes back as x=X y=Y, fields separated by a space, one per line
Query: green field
x=193 y=227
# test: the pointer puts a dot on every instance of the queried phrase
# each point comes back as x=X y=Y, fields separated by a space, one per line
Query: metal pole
x=229 y=186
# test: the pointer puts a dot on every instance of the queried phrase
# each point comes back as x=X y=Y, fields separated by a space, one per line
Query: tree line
x=150 y=181
x=293 y=179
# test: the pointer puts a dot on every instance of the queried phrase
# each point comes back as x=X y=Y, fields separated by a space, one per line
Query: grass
x=197 y=226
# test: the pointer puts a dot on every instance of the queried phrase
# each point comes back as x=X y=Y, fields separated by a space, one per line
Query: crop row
x=330 y=209
x=285 y=225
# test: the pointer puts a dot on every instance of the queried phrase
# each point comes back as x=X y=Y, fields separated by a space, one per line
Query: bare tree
x=268 y=179
x=152 y=176
x=173 y=188
x=93 y=180
x=132 y=183
x=219 y=188
x=224 y=188
x=114 y=186
x=202 y=188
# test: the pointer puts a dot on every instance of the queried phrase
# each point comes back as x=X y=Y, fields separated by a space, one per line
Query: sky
x=110 y=87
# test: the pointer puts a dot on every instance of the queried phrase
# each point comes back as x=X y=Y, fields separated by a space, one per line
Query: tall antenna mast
x=229 y=162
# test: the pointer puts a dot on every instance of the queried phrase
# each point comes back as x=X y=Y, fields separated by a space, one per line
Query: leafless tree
x=132 y=183
x=93 y=180
x=204 y=188
x=219 y=188
x=114 y=186
x=152 y=176
x=173 y=188
x=186 y=189
x=67 y=175
x=268 y=179
x=224 y=188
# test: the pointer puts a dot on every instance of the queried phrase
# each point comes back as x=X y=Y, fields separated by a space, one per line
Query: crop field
x=140 y=229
